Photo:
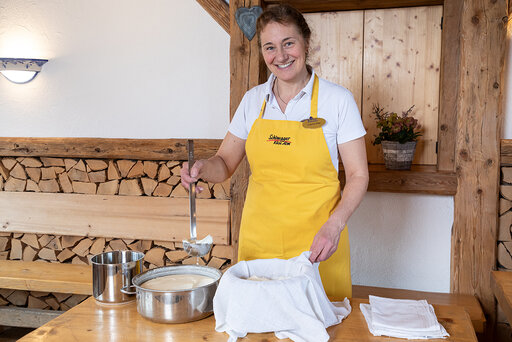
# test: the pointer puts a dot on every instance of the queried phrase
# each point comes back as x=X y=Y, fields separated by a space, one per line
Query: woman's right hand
x=193 y=176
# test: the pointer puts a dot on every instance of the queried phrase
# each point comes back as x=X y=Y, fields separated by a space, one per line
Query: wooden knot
x=475 y=20
x=496 y=85
x=464 y=155
x=444 y=127
x=479 y=191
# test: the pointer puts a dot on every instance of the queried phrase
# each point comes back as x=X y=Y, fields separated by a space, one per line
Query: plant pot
x=398 y=156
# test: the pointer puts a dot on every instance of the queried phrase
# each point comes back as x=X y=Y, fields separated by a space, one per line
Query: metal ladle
x=192 y=246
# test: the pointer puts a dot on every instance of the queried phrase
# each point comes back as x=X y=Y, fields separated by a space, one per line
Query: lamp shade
x=21 y=70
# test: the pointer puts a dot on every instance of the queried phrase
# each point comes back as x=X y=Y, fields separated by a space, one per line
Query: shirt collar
x=308 y=89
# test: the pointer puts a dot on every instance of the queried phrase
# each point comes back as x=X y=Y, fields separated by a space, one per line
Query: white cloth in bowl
x=292 y=305
x=403 y=318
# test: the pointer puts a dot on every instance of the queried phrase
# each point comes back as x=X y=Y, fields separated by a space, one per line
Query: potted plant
x=398 y=136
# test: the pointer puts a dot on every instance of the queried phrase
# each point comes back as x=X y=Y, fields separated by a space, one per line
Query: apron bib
x=293 y=189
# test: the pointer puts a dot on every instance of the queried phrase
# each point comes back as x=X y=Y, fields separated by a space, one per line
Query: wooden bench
x=77 y=279
x=469 y=302
x=40 y=276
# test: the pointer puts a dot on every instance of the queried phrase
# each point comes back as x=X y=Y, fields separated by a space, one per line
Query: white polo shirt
x=335 y=104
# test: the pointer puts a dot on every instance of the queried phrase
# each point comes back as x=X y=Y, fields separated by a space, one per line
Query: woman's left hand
x=325 y=242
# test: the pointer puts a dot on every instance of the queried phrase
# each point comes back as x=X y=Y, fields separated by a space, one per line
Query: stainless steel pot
x=175 y=306
x=112 y=271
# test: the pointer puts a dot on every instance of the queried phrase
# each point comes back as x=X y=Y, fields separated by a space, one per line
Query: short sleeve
x=350 y=124
x=238 y=125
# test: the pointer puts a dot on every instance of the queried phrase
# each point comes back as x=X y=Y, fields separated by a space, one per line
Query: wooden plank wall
x=480 y=111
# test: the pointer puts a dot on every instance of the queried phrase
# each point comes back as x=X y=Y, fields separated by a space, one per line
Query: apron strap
x=314 y=101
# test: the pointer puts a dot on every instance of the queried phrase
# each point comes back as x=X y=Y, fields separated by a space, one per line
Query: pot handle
x=126 y=290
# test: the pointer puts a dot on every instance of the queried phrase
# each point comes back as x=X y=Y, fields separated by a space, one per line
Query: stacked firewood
x=100 y=176
x=505 y=221
x=79 y=250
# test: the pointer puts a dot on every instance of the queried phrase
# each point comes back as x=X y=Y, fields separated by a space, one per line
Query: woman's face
x=284 y=51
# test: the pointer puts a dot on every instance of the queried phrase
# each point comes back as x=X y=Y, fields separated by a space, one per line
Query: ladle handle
x=192 y=192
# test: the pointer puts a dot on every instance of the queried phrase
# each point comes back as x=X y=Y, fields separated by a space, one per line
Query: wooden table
x=501 y=283
x=90 y=321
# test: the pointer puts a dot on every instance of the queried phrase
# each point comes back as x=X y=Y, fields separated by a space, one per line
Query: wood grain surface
x=143 y=149
x=501 y=283
x=127 y=217
x=219 y=10
x=348 y=5
x=90 y=321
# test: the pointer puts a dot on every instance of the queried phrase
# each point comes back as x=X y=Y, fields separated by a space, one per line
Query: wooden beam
x=143 y=149
x=350 y=5
x=506 y=152
x=479 y=115
x=450 y=75
x=45 y=277
x=501 y=283
x=126 y=217
x=246 y=72
x=423 y=179
x=25 y=317
x=219 y=10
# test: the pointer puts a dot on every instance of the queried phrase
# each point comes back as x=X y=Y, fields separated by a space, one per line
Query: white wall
x=160 y=69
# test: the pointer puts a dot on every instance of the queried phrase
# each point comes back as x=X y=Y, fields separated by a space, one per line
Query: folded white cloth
x=293 y=304
x=404 y=318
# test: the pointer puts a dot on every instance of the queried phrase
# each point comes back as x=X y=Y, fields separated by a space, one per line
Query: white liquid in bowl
x=175 y=282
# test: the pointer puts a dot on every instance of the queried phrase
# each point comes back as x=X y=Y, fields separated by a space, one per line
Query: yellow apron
x=292 y=191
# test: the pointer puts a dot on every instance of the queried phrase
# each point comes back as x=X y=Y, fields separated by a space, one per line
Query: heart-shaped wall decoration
x=246 y=20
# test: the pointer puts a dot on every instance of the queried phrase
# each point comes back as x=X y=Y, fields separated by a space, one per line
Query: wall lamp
x=21 y=70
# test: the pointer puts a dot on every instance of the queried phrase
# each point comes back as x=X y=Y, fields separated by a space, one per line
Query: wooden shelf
x=424 y=179
x=350 y=5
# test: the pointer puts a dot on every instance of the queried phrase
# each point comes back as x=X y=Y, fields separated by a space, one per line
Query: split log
x=221 y=251
x=504 y=256
x=1 y=183
x=108 y=188
x=69 y=241
x=39 y=294
x=84 y=188
x=58 y=170
x=505 y=221
x=75 y=299
x=31 y=240
x=14 y=184
x=61 y=297
x=206 y=190
x=177 y=170
x=130 y=187
x=18 y=172
x=221 y=190
x=136 y=246
x=162 y=190
x=155 y=256
x=48 y=173
x=96 y=164
x=216 y=262
x=65 y=183
x=44 y=240
x=3 y=302
x=136 y=171
x=17 y=235
x=98 y=246
x=9 y=163
x=4 y=255
x=52 y=161
x=18 y=298
x=78 y=261
x=31 y=162
x=505 y=205
x=128 y=241
x=118 y=245
x=16 y=250
x=146 y=244
x=172 y=163
x=64 y=307
x=55 y=244
x=70 y=163
x=179 y=191
x=166 y=244
x=78 y=175
x=149 y=185
x=6 y=292
x=113 y=172
x=98 y=176
x=36 y=303
x=506 y=191
x=47 y=254
x=29 y=254
x=32 y=186
x=163 y=173
x=176 y=256
x=4 y=244
x=82 y=249
x=174 y=180
x=52 y=302
x=150 y=168
x=80 y=166
x=125 y=167
x=66 y=254
x=34 y=173
x=4 y=171
x=49 y=186
x=507 y=174
x=194 y=261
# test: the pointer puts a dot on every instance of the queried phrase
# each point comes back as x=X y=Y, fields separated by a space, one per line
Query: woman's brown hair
x=286 y=15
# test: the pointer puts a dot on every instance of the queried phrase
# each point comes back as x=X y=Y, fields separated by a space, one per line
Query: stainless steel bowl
x=112 y=271
x=179 y=306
